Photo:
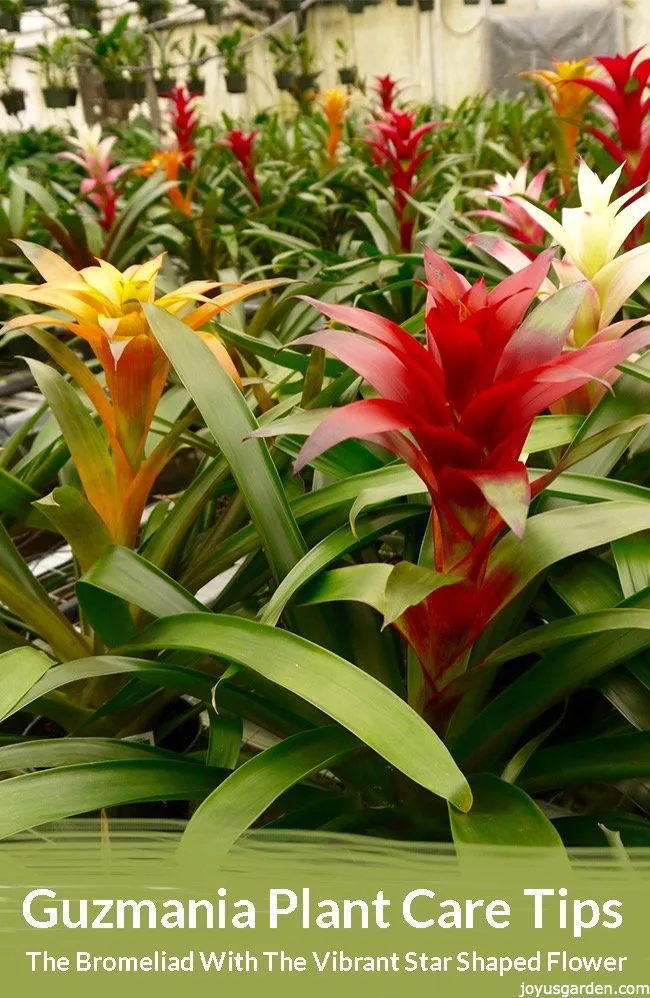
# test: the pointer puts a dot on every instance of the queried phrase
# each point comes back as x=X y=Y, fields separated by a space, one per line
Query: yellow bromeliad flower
x=105 y=309
x=335 y=104
x=569 y=99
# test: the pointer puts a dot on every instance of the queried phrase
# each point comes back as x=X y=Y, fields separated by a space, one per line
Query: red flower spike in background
x=458 y=411
x=184 y=122
x=241 y=145
x=626 y=107
x=386 y=89
x=396 y=146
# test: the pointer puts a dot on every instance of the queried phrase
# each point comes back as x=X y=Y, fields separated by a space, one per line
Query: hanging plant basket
x=405 y=3
x=213 y=10
x=285 y=80
x=236 y=83
x=165 y=85
x=196 y=85
x=426 y=4
x=348 y=75
x=137 y=91
x=289 y=6
x=10 y=22
x=13 y=100
x=307 y=82
x=117 y=89
x=82 y=14
x=56 y=97
x=355 y=6
x=153 y=10
x=33 y=4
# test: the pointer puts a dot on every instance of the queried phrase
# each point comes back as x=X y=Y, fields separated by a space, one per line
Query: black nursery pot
x=405 y=3
x=60 y=96
x=196 y=86
x=285 y=80
x=154 y=11
x=10 y=22
x=164 y=85
x=355 y=6
x=426 y=4
x=236 y=83
x=83 y=15
x=307 y=81
x=348 y=75
x=137 y=91
x=13 y=100
x=213 y=12
x=288 y=6
x=117 y=89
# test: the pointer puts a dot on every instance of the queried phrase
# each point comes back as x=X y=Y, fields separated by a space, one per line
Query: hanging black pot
x=137 y=91
x=60 y=96
x=236 y=83
x=117 y=89
x=288 y=6
x=165 y=85
x=405 y=3
x=426 y=4
x=355 y=6
x=13 y=100
x=10 y=22
x=348 y=75
x=196 y=85
x=153 y=10
x=33 y=4
x=84 y=15
x=213 y=11
x=285 y=80
x=307 y=82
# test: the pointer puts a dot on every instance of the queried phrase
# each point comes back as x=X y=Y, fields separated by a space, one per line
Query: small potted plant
x=10 y=11
x=213 y=10
x=13 y=99
x=356 y=6
x=165 y=80
x=194 y=53
x=234 y=59
x=154 y=10
x=56 y=62
x=347 y=72
x=426 y=4
x=283 y=53
x=307 y=77
x=84 y=14
x=106 y=53
x=135 y=53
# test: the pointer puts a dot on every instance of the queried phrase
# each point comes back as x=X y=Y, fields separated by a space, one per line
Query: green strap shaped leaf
x=236 y=803
x=357 y=701
x=230 y=420
x=20 y=670
x=502 y=815
x=53 y=794
x=622 y=757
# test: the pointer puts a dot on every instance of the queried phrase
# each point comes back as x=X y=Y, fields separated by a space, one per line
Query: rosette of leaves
x=234 y=60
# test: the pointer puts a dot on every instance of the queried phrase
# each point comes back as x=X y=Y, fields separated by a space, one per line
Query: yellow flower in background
x=104 y=306
x=335 y=104
x=569 y=99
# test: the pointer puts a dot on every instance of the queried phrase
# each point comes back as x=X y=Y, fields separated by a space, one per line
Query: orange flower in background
x=105 y=309
x=169 y=162
x=569 y=99
x=335 y=104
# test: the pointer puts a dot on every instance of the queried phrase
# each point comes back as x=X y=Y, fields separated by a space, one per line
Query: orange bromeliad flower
x=335 y=104
x=569 y=98
x=169 y=162
x=105 y=309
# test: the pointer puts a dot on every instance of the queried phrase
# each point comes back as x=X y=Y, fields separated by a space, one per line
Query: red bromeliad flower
x=396 y=146
x=458 y=411
x=386 y=89
x=184 y=122
x=626 y=107
x=241 y=145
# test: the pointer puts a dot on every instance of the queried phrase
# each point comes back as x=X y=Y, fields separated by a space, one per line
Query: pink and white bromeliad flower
x=94 y=156
x=591 y=237
x=512 y=215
